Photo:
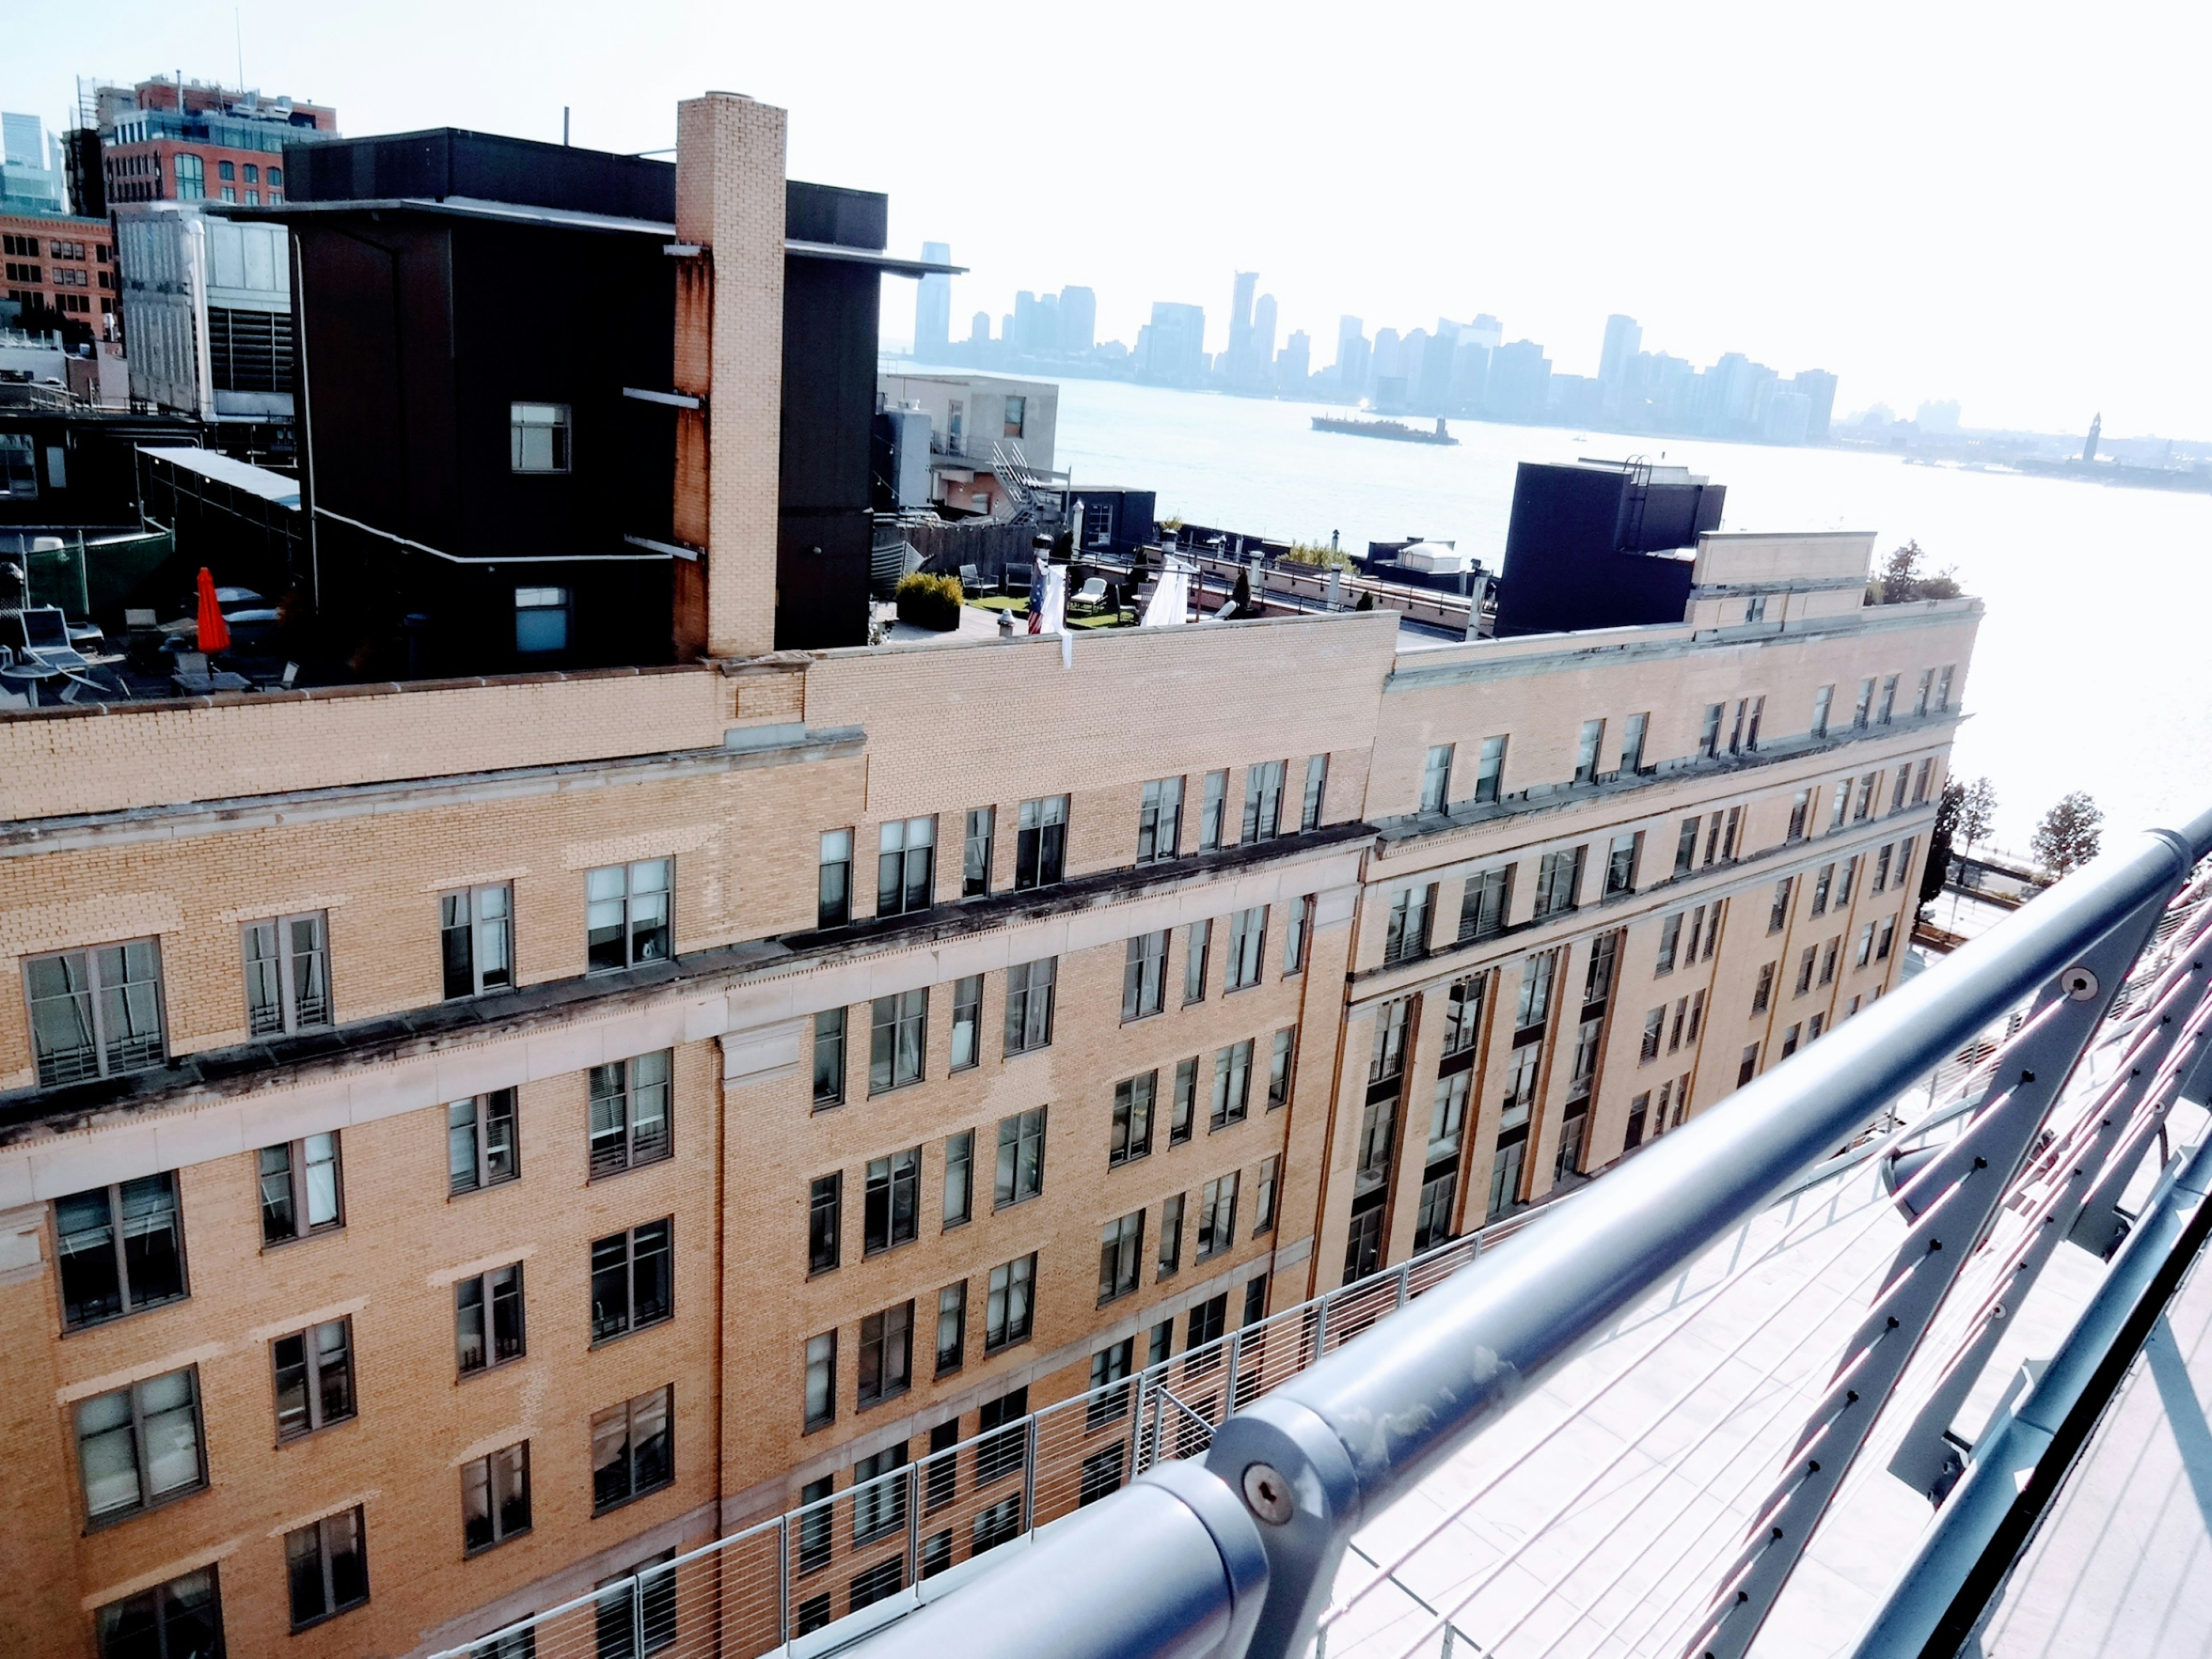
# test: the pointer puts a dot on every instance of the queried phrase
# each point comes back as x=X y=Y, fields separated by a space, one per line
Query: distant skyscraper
x=1078 y=320
x=1938 y=417
x=1240 y=319
x=1263 y=334
x=1820 y=389
x=22 y=140
x=1520 y=382
x=1486 y=330
x=1352 y=359
x=1624 y=338
x=933 y=305
x=1171 y=348
x=1292 y=365
x=2096 y=427
x=978 y=329
x=29 y=184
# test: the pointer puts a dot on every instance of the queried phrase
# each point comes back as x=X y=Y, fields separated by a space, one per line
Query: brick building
x=60 y=264
x=164 y=141
x=461 y=1141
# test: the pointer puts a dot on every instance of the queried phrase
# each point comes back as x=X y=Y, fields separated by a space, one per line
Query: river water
x=2092 y=671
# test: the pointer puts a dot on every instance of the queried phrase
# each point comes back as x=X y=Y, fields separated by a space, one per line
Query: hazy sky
x=1999 y=204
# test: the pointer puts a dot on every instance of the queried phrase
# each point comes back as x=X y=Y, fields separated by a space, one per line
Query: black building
x=76 y=468
x=488 y=348
x=1595 y=544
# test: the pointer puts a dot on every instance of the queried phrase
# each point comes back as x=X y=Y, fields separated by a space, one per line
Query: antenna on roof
x=564 y=126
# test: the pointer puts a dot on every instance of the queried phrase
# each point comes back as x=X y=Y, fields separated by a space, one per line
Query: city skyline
x=1838 y=202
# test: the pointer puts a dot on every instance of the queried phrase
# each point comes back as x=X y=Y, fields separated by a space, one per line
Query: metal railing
x=1205 y=1504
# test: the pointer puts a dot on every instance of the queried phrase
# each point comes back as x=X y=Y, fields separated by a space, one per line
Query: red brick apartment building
x=162 y=142
x=460 y=1140
x=65 y=264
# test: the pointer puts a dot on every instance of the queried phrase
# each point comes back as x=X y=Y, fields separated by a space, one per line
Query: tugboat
x=1396 y=430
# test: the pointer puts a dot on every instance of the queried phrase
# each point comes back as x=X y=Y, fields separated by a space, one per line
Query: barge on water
x=1396 y=430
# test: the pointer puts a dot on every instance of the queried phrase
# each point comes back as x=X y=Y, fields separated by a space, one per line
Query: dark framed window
x=967 y=1021
x=1214 y=808
x=834 y=885
x=140 y=1446
x=633 y=1279
x=1143 y=976
x=1159 y=821
x=488 y=1319
x=825 y=1209
x=1263 y=801
x=1041 y=843
x=1021 y=1158
x=1109 y=1391
x=1029 y=1005
x=496 y=1498
x=475 y=939
x=1309 y=811
x=314 y=1378
x=1217 y=1216
x=541 y=621
x=632 y=1113
x=1007 y=1312
x=95 y=1012
x=121 y=1249
x=975 y=851
x=1000 y=1425
x=1121 y=1257
x=1295 y=934
x=1169 y=1260
x=1558 y=882
x=1232 y=1084
x=906 y=866
x=816 y=1538
x=952 y=1330
x=180 y=1619
x=537 y=437
x=1131 y=1137
x=637 y=1607
x=1406 y=936
x=1184 y=1113
x=288 y=974
x=632 y=1448
x=629 y=913
x=820 y=1398
x=886 y=1359
x=481 y=1148
x=1484 y=902
x=1435 y=778
x=959 y=1178
x=897 y=1040
x=879 y=1485
x=891 y=1201
x=828 y=1058
x=1247 y=948
x=1197 y=944
x=327 y=1564
x=300 y=1189
x=1281 y=1057
x=1490 y=772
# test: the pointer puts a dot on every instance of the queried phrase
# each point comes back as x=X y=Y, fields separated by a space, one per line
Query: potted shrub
x=930 y=601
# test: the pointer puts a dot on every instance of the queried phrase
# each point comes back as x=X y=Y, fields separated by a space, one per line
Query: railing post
x=1321 y=1329
x=1028 y=1475
x=1229 y=1382
x=1137 y=1422
x=1405 y=1280
x=783 y=1577
x=637 y=1616
x=913 y=1524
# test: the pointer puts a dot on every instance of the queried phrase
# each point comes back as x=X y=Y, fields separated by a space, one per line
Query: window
x=1006 y=1313
x=1435 y=778
x=1889 y=938
x=828 y=1058
x=120 y=1248
x=480 y=1145
x=140 y=1446
x=1861 y=709
x=1131 y=1137
x=1631 y=743
x=891 y=1202
x=1263 y=801
x=1247 y=943
x=1764 y=994
x=1535 y=1005
x=537 y=437
x=1921 y=779
x=1021 y=1158
x=1777 y=915
x=1749 y=1066
x=631 y=1113
x=1751 y=733
x=825 y=1214
x=1844 y=883
x=18 y=468
x=1029 y=1005
x=1217 y=1216
x=1943 y=687
x=1828 y=962
x=1708 y=735
x=1279 y=1061
x=1198 y=940
x=1685 y=848
x=886 y=1361
x=906 y=866
x=226 y=171
x=1407 y=935
x=1041 y=844
x=1755 y=609
x=1484 y=904
x=1866 y=796
x=1790 y=1041
x=1182 y=1119
x=975 y=851
x=1232 y=1084
x=1654 y=1024
x=633 y=1451
x=1462 y=1014
x=895 y=1040
x=1017 y=408
x=1888 y=701
x=1843 y=802
x=1586 y=751
x=487 y=1324
x=1387 y=1059
x=495 y=1496
x=1310 y=811
x=1263 y=1199
x=1378 y=1134
x=951 y=1337
x=1171 y=1256
x=95 y=1012
x=878 y=1509
x=1670 y=938
x=180 y=1619
x=834 y=887
x=1674 y=1032
x=967 y=1021
x=1558 y=882
x=1801 y=808
x=1214 y=808
x=1638 y=1110
x=821 y=1389
x=633 y=1280
x=191 y=178
x=1823 y=700
x=1620 y=863
x=1121 y=1257
x=627 y=912
x=959 y=1178
x=1296 y=931
x=1110 y=1365
x=541 y=620
x=327 y=1566
x=287 y=975
x=1159 y=821
x=299 y=1184
x=475 y=937
x=1806 y=963
x=1490 y=772
x=1881 y=868
x=1143 y=976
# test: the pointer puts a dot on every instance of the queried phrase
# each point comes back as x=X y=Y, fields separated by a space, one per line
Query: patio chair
x=1090 y=596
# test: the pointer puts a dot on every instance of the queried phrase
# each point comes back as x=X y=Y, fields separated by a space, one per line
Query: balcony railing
x=1828 y=1310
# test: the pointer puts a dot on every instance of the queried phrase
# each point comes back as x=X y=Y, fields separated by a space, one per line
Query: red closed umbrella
x=215 y=632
